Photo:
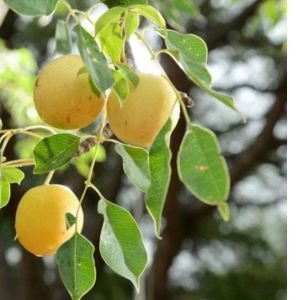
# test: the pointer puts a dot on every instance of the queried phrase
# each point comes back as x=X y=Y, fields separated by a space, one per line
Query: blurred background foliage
x=200 y=257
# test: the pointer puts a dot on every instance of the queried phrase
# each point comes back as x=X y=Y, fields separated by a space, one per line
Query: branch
x=233 y=88
x=260 y=205
x=265 y=140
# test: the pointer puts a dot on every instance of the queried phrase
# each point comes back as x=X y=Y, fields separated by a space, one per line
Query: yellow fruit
x=63 y=98
x=41 y=218
x=144 y=113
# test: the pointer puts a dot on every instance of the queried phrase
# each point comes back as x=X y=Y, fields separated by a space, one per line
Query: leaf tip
x=101 y=206
x=224 y=211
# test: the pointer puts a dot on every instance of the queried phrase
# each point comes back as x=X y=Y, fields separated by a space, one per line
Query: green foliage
x=177 y=12
x=76 y=265
x=200 y=164
x=8 y=175
x=190 y=52
x=70 y=220
x=224 y=210
x=136 y=165
x=32 y=7
x=111 y=40
x=112 y=15
x=94 y=60
x=54 y=151
x=120 y=88
x=121 y=244
x=202 y=168
x=151 y=14
x=63 y=37
x=185 y=6
x=112 y=3
x=17 y=77
x=124 y=76
x=160 y=174
x=189 y=47
x=12 y=174
x=129 y=74
x=4 y=193
x=131 y=23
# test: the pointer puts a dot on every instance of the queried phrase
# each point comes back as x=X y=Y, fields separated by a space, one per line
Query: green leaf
x=129 y=74
x=160 y=174
x=112 y=15
x=81 y=71
x=12 y=174
x=94 y=89
x=201 y=166
x=112 y=3
x=63 y=37
x=120 y=87
x=186 y=6
x=111 y=41
x=32 y=7
x=224 y=211
x=189 y=46
x=197 y=72
x=150 y=13
x=8 y=175
x=54 y=151
x=70 y=220
x=94 y=60
x=135 y=165
x=121 y=243
x=76 y=265
x=190 y=52
x=4 y=193
x=132 y=22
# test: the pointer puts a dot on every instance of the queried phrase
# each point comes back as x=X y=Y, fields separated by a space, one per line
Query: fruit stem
x=90 y=174
x=71 y=11
x=4 y=140
x=111 y=141
x=40 y=127
x=49 y=177
x=96 y=190
x=8 y=134
x=184 y=111
x=85 y=15
x=100 y=137
x=18 y=163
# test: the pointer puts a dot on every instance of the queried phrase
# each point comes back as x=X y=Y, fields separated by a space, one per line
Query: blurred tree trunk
x=180 y=225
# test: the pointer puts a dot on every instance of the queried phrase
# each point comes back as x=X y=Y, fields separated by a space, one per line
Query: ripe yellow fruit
x=63 y=98
x=41 y=218
x=144 y=113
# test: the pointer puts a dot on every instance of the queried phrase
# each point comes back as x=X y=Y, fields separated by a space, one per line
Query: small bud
x=188 y=101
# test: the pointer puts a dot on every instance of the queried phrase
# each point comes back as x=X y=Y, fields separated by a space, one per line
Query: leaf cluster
x=201 y=166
